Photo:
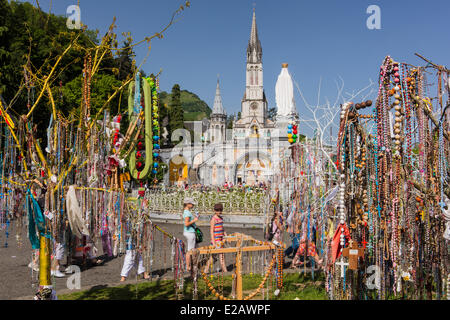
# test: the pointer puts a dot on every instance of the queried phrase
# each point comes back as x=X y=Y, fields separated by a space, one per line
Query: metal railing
x=236 y=202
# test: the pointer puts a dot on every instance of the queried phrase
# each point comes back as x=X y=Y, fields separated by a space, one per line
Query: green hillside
x=195 y=109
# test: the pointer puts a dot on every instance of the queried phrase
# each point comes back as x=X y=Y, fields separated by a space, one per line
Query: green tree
x=35 y=40
x=6 y=70
x=124 y=61
x=272 y=113
x=176 y=111
x=32 y=38
x=230 y=120
x=103 y=86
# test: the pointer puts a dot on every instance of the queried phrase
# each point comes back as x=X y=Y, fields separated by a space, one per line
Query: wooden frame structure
x=239 y=238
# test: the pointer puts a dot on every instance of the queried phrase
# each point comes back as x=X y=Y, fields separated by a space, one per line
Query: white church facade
x=246 y=153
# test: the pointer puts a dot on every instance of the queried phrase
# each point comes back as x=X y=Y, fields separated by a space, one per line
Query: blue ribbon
x=35 y=220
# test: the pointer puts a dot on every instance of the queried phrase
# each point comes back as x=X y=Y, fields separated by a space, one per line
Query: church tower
x=218 y=119
x=254 y=103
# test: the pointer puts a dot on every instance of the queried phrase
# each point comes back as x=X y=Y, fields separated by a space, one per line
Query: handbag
x=198 y=235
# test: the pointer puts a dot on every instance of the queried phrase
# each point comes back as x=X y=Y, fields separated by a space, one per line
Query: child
x=217 y=234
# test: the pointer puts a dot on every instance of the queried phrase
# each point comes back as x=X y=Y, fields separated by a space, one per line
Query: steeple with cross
x=254 y=103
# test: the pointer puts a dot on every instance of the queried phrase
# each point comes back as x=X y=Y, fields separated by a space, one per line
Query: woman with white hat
x=189 y=229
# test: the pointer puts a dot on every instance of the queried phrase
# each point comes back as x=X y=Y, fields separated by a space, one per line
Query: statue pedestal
x=282 y=122
x=279 y=137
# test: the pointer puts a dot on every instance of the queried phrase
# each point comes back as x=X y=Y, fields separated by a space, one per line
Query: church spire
x=218 y=106
x=254 y=49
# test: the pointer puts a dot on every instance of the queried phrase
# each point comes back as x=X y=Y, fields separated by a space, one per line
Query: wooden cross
x=342 y=264
x=353 y=252
x=239 y=238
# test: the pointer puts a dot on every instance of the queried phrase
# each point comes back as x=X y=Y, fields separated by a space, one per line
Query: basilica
x=247 y=153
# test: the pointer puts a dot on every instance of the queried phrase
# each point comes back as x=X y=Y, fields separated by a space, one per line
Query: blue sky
x=319 y=39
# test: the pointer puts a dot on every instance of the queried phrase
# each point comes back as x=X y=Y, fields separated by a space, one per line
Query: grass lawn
x=295 y=286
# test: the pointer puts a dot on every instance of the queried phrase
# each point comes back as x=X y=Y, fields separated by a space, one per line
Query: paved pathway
x=18 y=281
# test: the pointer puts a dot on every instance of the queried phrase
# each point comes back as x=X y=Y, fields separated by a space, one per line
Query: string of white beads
x=342 y=209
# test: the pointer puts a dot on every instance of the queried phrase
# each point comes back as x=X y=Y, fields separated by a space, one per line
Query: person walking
x=189 y=228
x=130 y=261
x=217 y=232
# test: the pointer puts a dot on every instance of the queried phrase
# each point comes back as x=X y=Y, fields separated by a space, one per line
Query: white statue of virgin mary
x=284 y=91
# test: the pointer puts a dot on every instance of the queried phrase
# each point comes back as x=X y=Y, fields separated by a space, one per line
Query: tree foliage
x=272 y=114
x=230 y=121
x=30 y=43
x=176 y=111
